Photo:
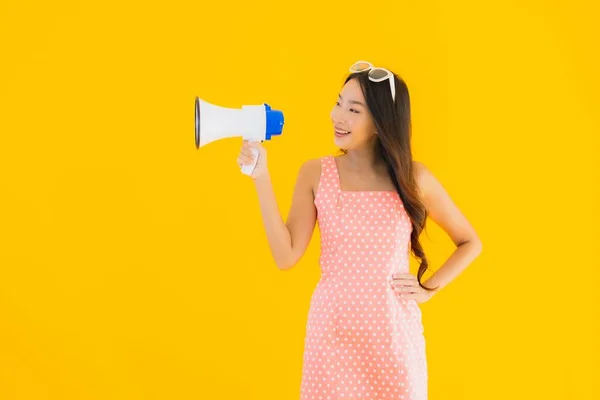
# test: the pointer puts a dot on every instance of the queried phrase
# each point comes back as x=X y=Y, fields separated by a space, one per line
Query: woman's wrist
x=261 y=179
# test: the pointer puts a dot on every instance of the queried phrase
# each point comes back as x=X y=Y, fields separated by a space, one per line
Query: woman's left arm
x=448 y=216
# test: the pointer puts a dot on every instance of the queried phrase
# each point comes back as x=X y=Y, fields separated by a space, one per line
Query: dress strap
x=328 y=193
x=331 y=174
x=329 y=184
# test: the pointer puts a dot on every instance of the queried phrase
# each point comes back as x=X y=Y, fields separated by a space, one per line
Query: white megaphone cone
x=252 y=123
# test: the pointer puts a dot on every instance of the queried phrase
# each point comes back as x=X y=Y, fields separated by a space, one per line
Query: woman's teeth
x=341 y=133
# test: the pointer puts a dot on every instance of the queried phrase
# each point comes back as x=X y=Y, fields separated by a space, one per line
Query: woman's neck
x=364 y=159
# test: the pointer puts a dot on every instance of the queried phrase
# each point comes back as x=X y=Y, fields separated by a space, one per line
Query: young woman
x=364 y=337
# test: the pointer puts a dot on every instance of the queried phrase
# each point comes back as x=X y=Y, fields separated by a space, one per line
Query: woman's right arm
x=287 y=241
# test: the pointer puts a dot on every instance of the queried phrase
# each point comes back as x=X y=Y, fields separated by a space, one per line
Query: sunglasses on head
x=376 y=74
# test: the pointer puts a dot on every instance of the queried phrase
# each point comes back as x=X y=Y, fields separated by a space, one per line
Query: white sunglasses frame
x=371 y=68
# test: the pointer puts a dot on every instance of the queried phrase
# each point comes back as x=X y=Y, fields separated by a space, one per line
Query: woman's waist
x=361 y=275
x=374 y=266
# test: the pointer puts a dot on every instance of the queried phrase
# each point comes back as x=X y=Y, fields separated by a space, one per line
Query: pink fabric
x=363 y=341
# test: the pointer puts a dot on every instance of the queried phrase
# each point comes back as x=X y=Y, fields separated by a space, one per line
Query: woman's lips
x=341 y=132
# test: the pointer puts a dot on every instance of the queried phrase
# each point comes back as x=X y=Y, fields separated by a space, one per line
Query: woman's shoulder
x=424 y=177
x=310 y=171
x=418 y=168
x=312 y=166
x=315 y=164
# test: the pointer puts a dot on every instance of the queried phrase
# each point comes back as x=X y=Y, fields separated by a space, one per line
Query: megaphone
x=251 y=122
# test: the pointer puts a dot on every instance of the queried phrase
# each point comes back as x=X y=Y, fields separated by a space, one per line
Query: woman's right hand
x=247 y=157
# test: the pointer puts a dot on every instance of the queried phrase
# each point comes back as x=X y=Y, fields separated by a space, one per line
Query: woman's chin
x=341 y=139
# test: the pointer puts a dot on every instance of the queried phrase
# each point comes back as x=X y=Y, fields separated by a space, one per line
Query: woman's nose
x=336 y=117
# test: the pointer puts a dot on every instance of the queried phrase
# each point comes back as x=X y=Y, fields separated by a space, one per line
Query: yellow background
x=134 y=266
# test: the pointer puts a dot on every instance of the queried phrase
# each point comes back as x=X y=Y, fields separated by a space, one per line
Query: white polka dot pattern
x=363 y=342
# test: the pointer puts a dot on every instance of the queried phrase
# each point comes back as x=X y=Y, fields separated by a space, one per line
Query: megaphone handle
x=249 y=168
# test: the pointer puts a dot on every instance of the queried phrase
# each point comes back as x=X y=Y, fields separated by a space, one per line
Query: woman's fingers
x=405 y=280
x=244 y=160
x=246 y=157
x=405 y=289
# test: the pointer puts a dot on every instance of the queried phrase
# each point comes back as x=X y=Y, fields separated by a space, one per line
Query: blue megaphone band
x=274 y=122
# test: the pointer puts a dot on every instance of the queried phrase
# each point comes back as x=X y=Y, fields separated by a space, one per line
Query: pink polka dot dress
x=363 y=342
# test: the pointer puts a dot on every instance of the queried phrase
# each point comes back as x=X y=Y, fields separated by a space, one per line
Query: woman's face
x=350 y=114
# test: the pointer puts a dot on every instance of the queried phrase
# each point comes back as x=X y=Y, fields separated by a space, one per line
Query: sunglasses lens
x=360 y=66
x=378 y=73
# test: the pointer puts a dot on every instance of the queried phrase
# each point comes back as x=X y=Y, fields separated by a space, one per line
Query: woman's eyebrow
x=351 y=101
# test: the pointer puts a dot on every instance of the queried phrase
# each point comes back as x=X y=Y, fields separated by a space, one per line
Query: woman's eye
x=337 y=103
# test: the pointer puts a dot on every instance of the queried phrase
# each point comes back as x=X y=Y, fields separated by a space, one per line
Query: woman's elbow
x=289 y=262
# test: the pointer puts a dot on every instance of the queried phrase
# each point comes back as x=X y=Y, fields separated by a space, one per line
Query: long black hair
x=393 y=124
